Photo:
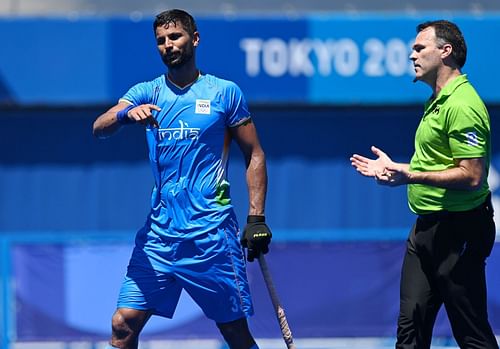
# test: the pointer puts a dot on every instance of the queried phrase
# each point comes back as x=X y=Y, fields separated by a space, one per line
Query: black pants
x=445 y=264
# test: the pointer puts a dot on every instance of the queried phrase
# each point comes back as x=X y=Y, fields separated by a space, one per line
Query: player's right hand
x=143 y=114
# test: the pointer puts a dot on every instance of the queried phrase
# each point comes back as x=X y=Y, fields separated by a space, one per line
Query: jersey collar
x=170 y=82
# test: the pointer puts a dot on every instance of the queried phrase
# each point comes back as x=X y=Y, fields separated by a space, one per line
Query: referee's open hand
x=256 y=237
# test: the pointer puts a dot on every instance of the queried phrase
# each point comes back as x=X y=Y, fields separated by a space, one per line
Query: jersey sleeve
x=141 y=93
x=236 y=106
x=468 y=132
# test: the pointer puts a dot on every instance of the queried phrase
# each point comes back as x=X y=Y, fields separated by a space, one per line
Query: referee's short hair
x=448 y=33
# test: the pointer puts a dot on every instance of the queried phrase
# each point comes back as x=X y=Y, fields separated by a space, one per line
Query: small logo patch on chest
x=202 y=106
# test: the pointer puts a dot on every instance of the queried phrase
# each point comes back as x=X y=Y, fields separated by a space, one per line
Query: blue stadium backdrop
x=320 y=89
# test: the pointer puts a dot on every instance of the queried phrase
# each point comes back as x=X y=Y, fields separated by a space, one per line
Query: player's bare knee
x=236 y=334
x=121 y=329
x=230 y=328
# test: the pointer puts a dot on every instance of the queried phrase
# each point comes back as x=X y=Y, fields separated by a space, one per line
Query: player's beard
x=177 y=60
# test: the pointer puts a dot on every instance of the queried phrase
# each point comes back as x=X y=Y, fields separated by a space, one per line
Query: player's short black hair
x=172 y=17
x=448 y=32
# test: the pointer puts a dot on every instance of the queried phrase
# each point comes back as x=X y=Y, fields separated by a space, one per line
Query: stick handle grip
x=280 y=312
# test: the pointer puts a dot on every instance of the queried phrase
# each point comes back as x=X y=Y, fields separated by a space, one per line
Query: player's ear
x=196 y=38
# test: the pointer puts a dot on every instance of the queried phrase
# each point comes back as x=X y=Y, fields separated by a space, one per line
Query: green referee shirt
x=455 y=125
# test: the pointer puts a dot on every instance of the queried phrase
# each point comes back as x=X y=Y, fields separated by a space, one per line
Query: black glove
x=256 y=237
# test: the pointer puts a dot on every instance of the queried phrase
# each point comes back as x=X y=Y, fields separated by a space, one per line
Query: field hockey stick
x=278 y=309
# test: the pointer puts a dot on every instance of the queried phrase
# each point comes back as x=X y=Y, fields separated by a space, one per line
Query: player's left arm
x=256 y=234
x=247 y=139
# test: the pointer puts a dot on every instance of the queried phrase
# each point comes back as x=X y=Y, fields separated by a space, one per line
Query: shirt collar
x=446 y=91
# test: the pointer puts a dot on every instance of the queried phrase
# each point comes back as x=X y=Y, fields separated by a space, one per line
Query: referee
x=448 y=190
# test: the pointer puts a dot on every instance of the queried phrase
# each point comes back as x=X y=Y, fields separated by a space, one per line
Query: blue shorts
x=210 y=268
